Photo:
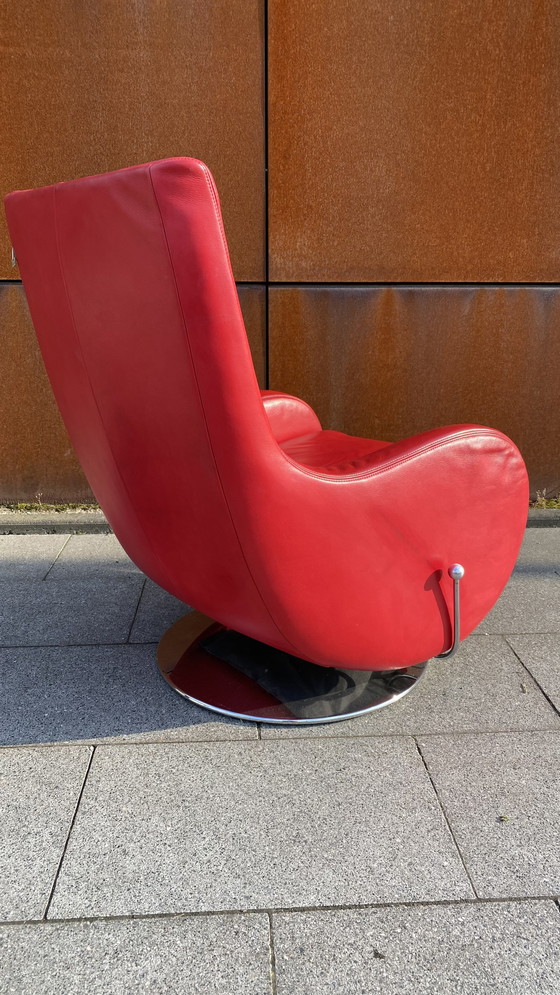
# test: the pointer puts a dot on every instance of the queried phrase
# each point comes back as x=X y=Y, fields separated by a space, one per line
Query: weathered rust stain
x=388 y=362
x=414 y=142
x=253 y=305
x=90 y=87
x=37 y=461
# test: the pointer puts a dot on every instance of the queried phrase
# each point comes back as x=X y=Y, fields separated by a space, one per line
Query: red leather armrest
x=368 y=550
x=289 y=417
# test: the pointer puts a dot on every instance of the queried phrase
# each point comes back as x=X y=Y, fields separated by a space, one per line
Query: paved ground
x=147 y=846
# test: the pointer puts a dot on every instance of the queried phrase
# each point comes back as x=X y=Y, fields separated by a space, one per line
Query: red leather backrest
x=130 y=289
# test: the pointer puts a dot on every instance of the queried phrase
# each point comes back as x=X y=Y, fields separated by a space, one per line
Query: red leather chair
x=330 y=550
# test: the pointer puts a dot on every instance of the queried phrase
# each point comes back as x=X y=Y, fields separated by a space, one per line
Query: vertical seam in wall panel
x=266 y=198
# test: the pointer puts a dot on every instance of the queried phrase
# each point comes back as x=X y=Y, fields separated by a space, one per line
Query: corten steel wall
x=93 y=86
x=400 y=258
x=414 y=211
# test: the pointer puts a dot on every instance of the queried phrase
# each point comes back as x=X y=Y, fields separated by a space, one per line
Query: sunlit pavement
x=147 y=845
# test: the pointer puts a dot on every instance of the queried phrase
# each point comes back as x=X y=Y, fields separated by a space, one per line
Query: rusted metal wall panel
x=93 y=86
x=388 y=362
x=407 y=143
x=414 y=141
x=37 y=462
x=253 y=305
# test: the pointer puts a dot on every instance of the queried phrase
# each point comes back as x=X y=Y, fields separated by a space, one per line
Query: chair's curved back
x=130 y=289
x=133 y=300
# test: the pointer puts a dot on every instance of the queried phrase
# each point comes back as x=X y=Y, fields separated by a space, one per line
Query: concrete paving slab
x=99 y=694
x=53 y=613
x=530 y=603
x=468 y=949
x=84 y=555
x=541 y=654
x=206 y=955
x=157 y=612
x=39 y=792
x=29 y=557
x=484 y=687
x=540 y=550
x=256 y=825
x=501 y=794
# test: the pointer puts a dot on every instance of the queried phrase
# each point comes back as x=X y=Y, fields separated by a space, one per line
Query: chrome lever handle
x=456 y=572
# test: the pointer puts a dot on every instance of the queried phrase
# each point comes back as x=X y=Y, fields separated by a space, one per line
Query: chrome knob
x=456 y=571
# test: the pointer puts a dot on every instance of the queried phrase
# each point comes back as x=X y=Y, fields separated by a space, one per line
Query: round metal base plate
x=234 y=675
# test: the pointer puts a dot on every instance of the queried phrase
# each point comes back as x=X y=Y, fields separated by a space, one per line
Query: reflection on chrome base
x=234 y=675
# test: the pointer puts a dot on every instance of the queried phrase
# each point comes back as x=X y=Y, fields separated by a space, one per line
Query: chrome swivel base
x=232 y=674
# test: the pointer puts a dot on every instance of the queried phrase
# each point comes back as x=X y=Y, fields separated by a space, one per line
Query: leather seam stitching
x=218 y=214
x=187 y=340
x=272 y=394
x=398 y=461
x=86 y=371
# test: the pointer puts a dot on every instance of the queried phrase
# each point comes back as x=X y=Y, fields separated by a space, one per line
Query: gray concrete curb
x=80 y=522
x=51 y=522
x=543 y=518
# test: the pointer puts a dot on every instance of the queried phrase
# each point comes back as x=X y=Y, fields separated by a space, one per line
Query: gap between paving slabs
x=294 y=911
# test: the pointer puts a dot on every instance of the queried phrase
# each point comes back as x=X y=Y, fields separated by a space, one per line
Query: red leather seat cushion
x=331 y=452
